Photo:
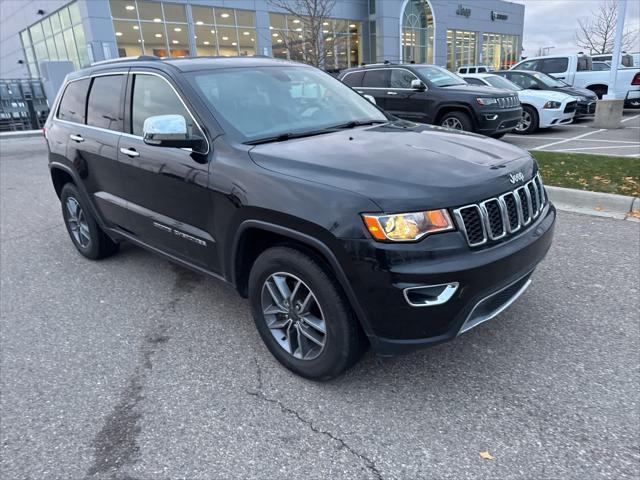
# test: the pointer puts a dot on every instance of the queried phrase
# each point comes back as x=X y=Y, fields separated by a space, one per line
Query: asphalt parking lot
x=133 y=368
x=581 y=137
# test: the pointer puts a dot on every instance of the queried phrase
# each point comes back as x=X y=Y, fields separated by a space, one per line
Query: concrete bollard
x=608 y=114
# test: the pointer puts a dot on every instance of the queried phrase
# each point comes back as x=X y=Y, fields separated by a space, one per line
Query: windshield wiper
x=354 y=124
x=283 y=137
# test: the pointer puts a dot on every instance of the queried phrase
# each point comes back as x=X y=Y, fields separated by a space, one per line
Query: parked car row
x=491 y=103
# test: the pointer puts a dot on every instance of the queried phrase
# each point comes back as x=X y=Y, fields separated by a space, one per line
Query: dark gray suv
x=431 y=94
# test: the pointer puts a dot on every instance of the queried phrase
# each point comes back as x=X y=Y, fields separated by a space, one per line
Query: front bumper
x=586 y=108
x=491 y=122
x=489 y=279
x=553 y=117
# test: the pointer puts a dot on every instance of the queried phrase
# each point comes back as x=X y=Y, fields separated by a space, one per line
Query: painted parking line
x=631 y=118
x=594 y=148
x=532 y=137
x=577 y=137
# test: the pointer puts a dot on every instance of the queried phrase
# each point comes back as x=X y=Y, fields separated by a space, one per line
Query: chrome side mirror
x=370 y=98
x=418 y=85
x=168 y=131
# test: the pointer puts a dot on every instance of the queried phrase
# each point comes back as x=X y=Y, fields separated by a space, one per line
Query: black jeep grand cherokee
x=343 y=227
x=431 y=94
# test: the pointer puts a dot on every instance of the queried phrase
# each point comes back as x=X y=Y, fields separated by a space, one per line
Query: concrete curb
x=21 y=134
x=594 y=203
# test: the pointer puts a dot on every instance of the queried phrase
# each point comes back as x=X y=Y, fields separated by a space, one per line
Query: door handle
x=76 y=138
x=392 y=93
x=130 y=152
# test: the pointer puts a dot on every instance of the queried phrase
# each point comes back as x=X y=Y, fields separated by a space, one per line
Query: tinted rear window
x=73 y=101
x=376 y=79
x=554 y=65
x=104 y=105
x=353 y=79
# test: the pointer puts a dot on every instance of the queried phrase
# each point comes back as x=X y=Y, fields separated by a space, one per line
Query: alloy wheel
x=452 y=123
x=294 y=316
x=525 y=122
x=77 y=222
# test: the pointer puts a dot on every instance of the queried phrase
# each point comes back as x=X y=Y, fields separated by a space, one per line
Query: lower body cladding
x=421 y=294
x=551 y=118
x=498 y=121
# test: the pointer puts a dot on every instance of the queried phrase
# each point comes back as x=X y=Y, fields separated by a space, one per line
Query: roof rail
x=127 y=59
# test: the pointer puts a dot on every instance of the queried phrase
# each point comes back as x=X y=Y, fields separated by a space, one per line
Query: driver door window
x=401 y=78
x=154 y=96
x=523 y=81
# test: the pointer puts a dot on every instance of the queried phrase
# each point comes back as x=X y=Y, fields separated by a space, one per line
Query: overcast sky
x=553 y=23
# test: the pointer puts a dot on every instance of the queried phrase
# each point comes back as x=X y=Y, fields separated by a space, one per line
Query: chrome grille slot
x=496 y=218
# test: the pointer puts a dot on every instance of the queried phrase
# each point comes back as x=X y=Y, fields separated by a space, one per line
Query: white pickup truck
x=575 y=70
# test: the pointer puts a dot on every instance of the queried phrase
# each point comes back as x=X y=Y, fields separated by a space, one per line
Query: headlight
x=407 y=227
x=484 y=101
x=580 y=98
x=552 y=104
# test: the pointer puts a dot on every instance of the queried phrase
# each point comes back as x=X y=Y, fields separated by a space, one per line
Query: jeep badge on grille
x=516 y=177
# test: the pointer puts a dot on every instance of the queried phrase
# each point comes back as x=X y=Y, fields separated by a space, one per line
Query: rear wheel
x=302 y=315
x=529 y=122
x=83 y=229
x=457 y=121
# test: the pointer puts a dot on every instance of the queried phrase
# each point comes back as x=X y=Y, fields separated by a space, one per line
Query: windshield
x=501 y=82
x=438 y=76
x=549 y=81
x=261 y=102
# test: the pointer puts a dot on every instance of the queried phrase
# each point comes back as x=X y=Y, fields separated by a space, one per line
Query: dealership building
x=447 y=33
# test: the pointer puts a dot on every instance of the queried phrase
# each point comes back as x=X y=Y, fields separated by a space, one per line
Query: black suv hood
x=401 y=169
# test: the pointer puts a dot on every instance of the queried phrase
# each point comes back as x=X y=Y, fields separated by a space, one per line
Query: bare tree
x=596 y=33
x=310 y=16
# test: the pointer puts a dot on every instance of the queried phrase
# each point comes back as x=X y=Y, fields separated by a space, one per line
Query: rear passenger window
x=474 y=81
x=376 y=79
x=527 y=65
x=462 y=70
x=554 y=65
x=104 y=108
x=353 y=79
x=73 y=101
x=154 y=96
x=472 y=70
x=401 y=78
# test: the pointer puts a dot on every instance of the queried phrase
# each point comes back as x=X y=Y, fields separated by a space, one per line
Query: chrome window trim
x=384 y=88
x=129 y=135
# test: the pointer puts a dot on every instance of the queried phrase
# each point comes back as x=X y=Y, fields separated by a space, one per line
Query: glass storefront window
x=500 y=51
x=178 y=39
x=202 y=15
x=74 y=13
x=341 y=39
x=206 y=40
x=417 y=32
x=128 y=38
x=245 y=18
x=55 y=23
x=174 y=13
x=150 y=11
x=124 y=9
x=461 y=49
x=224 y=16
x=154 y=39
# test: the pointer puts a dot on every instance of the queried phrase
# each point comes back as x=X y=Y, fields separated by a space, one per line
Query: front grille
x=508 y=102
x=503 y=216
x=571 y=107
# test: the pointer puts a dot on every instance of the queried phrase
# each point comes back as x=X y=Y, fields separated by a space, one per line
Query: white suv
x=475 y=69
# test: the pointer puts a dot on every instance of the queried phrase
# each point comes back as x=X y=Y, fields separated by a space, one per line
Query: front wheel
x=302 y=315
x=85 y=233
x=457 y=121
x=529 y=122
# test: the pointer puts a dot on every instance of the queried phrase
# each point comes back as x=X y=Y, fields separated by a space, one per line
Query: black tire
x=93 y=243
x=498 y=136
x=344 y=340
x=460 y=119
x=533 y=123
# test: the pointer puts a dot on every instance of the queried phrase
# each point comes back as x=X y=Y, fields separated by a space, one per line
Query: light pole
x=609 y=109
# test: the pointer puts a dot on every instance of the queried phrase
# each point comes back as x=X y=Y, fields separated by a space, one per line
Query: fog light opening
x=430 y=295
